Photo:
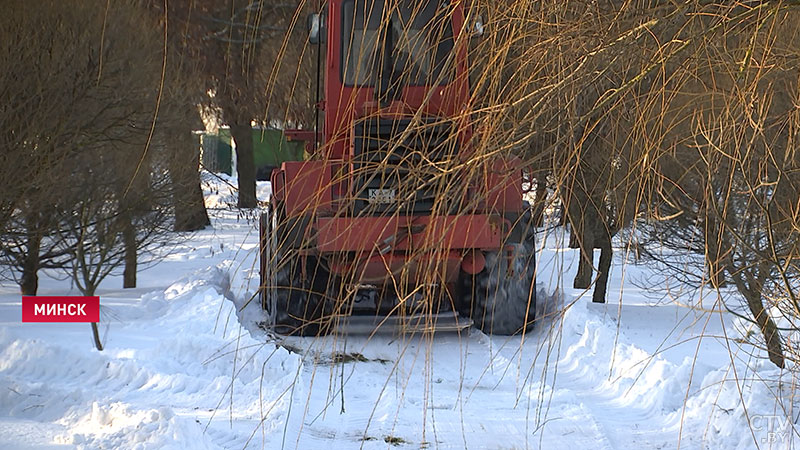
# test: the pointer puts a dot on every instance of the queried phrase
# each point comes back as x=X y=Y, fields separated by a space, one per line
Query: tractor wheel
x=501 y=299
x=295 y=287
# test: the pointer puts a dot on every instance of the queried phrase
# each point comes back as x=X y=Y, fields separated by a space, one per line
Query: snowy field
x=186 y=367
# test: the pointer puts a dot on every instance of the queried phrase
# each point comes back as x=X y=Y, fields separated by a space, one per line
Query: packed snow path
x=187 y=367
x=475 y=391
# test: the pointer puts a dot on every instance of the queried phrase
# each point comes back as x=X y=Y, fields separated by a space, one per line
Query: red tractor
x=397 y=213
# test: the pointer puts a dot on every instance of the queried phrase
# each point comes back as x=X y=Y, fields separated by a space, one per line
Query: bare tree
x=183 y=89
x=681 y=112
x=99 y=230
x=87 y=78
x=255 y=62
x=41 y=119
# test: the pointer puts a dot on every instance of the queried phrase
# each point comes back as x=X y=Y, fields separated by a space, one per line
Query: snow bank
x=171 y=381
x=221 y=190
x=739 y=406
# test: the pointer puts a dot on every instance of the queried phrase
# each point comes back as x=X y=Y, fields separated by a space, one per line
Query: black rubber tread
x=301 y=305
x=501 y=299
x=301 y=287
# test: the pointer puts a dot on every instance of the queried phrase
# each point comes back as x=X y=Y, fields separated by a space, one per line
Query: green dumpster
x=270 y=149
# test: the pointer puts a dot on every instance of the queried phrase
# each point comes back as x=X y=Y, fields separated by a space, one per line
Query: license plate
x=381 y=195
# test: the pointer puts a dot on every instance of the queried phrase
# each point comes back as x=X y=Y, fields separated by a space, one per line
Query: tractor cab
x=393 y=60
x=389 y=49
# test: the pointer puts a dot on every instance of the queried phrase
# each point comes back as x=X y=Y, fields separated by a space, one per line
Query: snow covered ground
x=186 y=367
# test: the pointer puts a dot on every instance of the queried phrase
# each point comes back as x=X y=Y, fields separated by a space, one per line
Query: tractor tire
x=501 y=299
x=295 y=288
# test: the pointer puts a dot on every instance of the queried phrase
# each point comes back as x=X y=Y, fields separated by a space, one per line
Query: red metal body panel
x=278 y=183
x=304 y=186
x=502 y=185
x=442 y=267
x=362 y=234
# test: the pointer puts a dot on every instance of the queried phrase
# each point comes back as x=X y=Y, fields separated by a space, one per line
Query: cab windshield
x=397 y=42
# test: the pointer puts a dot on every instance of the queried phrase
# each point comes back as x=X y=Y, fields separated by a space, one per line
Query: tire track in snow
x=370 y=400
x=569 y=423
x=627 y=415
x=468 y=399
x=630 y=419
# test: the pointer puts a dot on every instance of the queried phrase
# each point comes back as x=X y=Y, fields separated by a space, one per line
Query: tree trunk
x=541 y=202
x=29 y=280
x=573 y=214
x=752 y=293
x=583 y=279
x=574 y=236
x=714 y=254
x=190 y=207
x=768 y=329
x=129 y=238
x=604 y=268
x=245 y=164
x=581 y=237
x=98 y=344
